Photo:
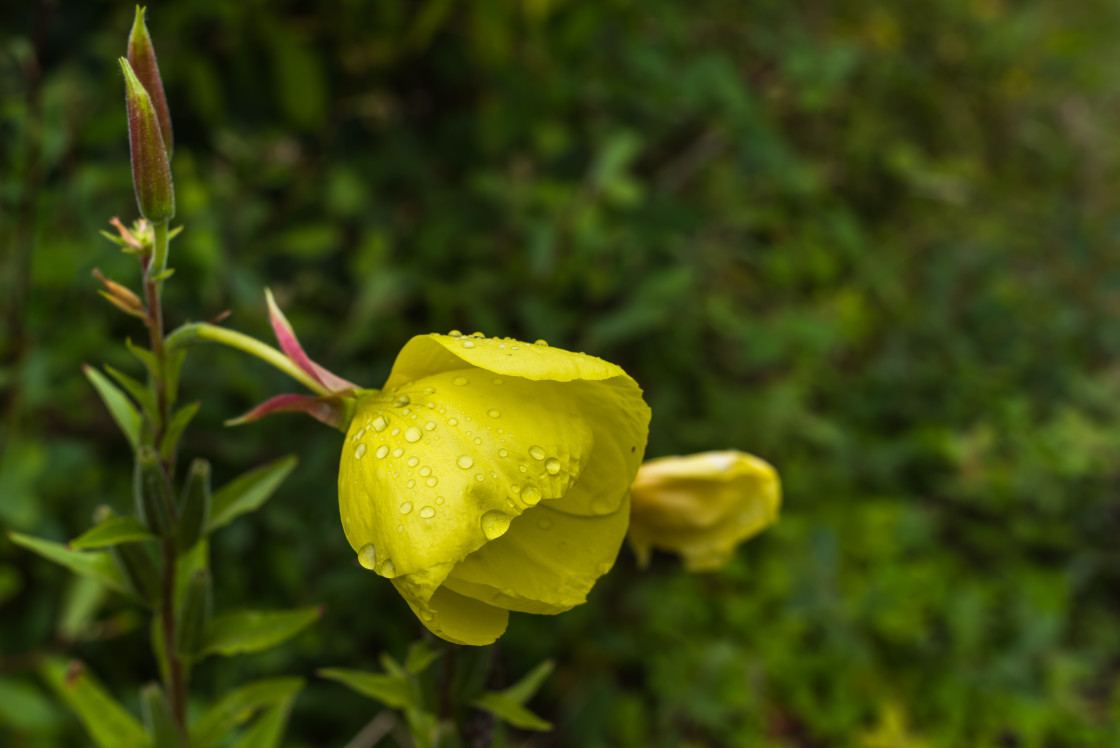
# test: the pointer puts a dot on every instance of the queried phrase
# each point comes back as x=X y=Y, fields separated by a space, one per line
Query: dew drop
x=455 y=334
x=501 y=345
x=601 y=506
x=425 y=470
x=536 y=452
x=430 y=390
x=426 y=616
x=412 y=435
x=465 y=462
x=452 y=421
x=381 y=452
x=359 y=435
x=477 y=334
x=413 y=461
x=367 y=556
x=360 y=451
x=541 y=341
x=400 y=528
x=544 y=523
x=411 y=483
x=432 y=481
x=552 y=465
x=388 y=570
x=398 y=452
x=494 y=413
x=380 y=423
x=497 y=380
x=494 y=525
x=468 y=344
x=503 y=453
x=522 y=468
x=530 y=494
x=477 y=440
x=430 y=426
x=459 y=381
x=402 y=401
x=479 y=477
x=406 y=507
x=427 y=512
x=439 y=499
x=395 y=432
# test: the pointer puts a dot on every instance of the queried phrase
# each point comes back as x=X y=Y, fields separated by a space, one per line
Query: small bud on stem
x=142 y=57
x=151 y=172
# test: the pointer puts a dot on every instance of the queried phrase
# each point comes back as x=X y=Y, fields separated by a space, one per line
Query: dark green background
x=877 y=244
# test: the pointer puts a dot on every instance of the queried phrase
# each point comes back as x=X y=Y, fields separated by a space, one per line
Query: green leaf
x=174 y=367
x=388 y=689
x=420 y=656
x=93 y=564
x=120 y=407
x=139 y=392
x=267 y=731
x=144 y=355
x=106 y=721
x=255 y=631
x=190 y=563
x=25 y=708
x=508 y=710
x=523 y=690
x=158 y=720
x=175 y=429
x=237 y=707
x=392 y=667
x=111 y=532
x=248 y=491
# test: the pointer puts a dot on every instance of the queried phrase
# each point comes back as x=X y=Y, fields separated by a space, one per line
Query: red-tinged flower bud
x=151 y=172
x=142 y=57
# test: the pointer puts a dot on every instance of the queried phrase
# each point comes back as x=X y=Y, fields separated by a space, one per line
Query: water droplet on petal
x=388 y=570
x=494 y=525
x=406 y=507
x=439 y=499
x=465 y=462
x=430 y=426
x=544 y=523
x=494 y=413
x=459 y=381
x=552 y=465
x=498 y=380
x=398 y=452
x=530 y=494
x=452 y=421
x=426 y=616
x=395 y=432
x=600 y=505
x=502 y=453
x=522 y=468
x=541 y=341
x=367 y=556
x=402 y=401
x=359 y=435
x=360 y=451
x=411 y=483
x=477 y=440
x=380 y=423
x=455 y=334
x=412 y=435
x=425 y=470
x=468 y=344
x=479 y=477
x=427 y=512
x=430 y=390
x=432 y=481
x=536 y=452
x=413 y=461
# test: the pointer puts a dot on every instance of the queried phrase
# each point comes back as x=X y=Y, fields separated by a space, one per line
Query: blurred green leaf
x=120 y=407
x=268 y=730
x=255 y=631
x=108 y=724
x=524 y=689
x=238 y=706
x=248 y=492
x=391 y=690
x=508 y=710
x=111 y=532
x=179 y=422
x=420 y=656
x=96 y=565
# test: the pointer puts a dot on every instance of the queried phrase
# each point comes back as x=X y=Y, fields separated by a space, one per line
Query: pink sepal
x=289 y=343
x=327 y=410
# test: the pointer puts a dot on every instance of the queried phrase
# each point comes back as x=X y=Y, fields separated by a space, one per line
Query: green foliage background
x=876 y=244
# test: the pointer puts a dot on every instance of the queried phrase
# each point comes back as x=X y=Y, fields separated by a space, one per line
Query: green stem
x=202 y=331
x=159 y=249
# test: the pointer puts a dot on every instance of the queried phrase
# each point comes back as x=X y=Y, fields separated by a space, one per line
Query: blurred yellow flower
x=702 y=506
x=491 y=475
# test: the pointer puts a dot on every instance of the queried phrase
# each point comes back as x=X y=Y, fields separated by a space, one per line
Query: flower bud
x=157 y=718
x=138 y=568
x=194 y=507
x=142 y=58
x=151 y=172
x=194 y=616
x=152 y=492
x=702 y=506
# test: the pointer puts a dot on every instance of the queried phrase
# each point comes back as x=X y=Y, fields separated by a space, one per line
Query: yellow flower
x=702 y=506
x=491 y=475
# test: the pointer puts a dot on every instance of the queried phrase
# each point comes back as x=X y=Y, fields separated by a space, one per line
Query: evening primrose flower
x=702 y=506
x=491 y=475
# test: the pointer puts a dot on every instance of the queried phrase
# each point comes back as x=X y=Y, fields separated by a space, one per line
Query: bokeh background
x=877 y=244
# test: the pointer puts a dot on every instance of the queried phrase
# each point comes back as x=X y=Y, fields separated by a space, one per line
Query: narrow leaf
x=420 y=656
x=157 y=718
x=267 y=731
x=174 y=368
x=106 y=721
x=389 y=690
x=524 y=689
x=111 y=532
x=238 y=706
x=93 y=564
x=139 y=392
x=255 y=631
x=175 y=429
x=144 y=355
x=508 y=710
x=120 y=407
x=248 y=491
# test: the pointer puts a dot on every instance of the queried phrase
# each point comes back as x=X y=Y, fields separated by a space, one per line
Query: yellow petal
x=702 y=506
x=451 y=616
x=546 y=563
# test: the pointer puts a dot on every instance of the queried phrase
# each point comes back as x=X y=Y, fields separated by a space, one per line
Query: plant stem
x=176 y=682
x=252 y=346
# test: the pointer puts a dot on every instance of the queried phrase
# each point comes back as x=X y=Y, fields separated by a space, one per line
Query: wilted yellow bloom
x=491 y=475
x=702 y=506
